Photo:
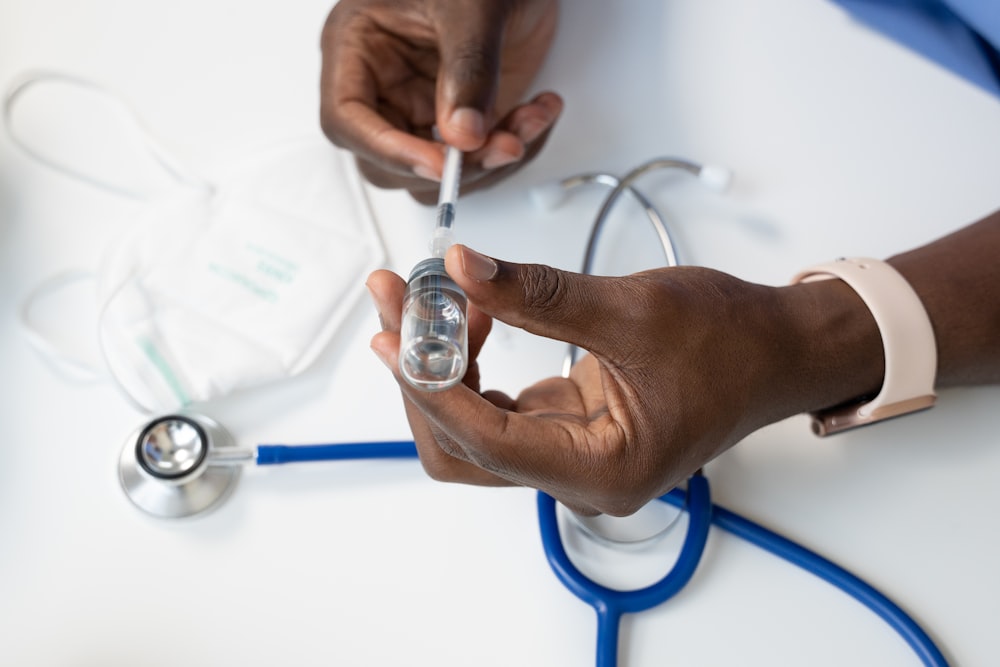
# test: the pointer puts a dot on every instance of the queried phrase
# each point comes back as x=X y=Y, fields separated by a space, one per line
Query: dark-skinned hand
x=393 y=70
x=684 y=362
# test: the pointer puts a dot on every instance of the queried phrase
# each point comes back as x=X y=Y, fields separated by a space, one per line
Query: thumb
x=570 y=307
x=470 y=46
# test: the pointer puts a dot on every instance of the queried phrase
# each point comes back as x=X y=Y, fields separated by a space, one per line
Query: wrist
x=832 y=346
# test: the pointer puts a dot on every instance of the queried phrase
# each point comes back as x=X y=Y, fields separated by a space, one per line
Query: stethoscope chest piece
x=164 y=466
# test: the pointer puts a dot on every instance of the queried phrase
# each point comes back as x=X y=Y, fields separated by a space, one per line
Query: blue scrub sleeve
x=962 y=36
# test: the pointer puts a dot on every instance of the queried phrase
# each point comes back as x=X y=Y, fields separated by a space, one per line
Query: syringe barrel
x=434 y=335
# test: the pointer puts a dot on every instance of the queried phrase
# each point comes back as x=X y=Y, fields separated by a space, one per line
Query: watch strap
x=907 y=338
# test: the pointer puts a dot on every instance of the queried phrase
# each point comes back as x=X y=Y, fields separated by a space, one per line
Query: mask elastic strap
x=75 y=368
x=152 y=147
x=65 y=363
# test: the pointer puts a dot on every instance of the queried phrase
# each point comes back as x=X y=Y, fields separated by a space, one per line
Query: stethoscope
x=184 y=464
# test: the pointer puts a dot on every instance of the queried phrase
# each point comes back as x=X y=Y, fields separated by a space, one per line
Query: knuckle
x=439 y=463
x=644 y=295
x=375 y=175
x=449 y=448
x=544 y=289
x=473 y=63
x=386 y=179
x=331 y=124
x=437 y=470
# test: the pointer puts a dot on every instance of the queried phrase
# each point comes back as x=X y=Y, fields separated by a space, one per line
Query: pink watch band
x=907 y=337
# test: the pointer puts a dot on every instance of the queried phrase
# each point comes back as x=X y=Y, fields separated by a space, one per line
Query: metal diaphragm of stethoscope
x=183 y=464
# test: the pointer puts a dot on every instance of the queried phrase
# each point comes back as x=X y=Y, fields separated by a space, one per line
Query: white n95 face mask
x=238 y=284
x=220 y=292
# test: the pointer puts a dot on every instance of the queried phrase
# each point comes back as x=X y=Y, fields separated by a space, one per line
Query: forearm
x=831 y=351
x=958 y=280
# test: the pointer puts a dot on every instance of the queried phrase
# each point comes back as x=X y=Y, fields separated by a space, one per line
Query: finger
x=440 y=457
x=499 y=399
x=354 y=126
x=435 y=446
x=469 y=71
x=438 y=463
x=586 y=376
x=552 y=397
x=459 y=424
x=455 y=420
x=350 y=117
x=424 y=189
x=480 y=325
x=387 y=291
x=532 y=121
x=517 y=138
x=525 y=449
x=591 y=312
x=557 y=456
x=462 y=436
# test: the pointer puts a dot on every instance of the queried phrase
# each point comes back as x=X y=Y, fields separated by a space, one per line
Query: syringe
x=444 y=235
x=434 y=339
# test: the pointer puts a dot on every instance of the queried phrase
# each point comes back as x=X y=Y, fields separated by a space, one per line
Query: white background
x=843 y=143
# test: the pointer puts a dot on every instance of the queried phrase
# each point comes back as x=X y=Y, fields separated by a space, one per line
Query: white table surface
x=843 y=143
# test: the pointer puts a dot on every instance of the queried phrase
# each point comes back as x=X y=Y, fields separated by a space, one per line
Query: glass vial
x=434 y=336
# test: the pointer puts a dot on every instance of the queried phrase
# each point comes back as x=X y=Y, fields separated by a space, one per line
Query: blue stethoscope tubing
x=278 y=454
x=610 y=604
x=918 y=639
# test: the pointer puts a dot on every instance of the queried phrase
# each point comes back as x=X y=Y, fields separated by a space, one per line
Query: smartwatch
x=907 y=337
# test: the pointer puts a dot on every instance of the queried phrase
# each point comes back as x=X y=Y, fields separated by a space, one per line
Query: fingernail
x=467 y=121
x=478 y=267
x=495 y=158
x=424 y=171
x=531 y=129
